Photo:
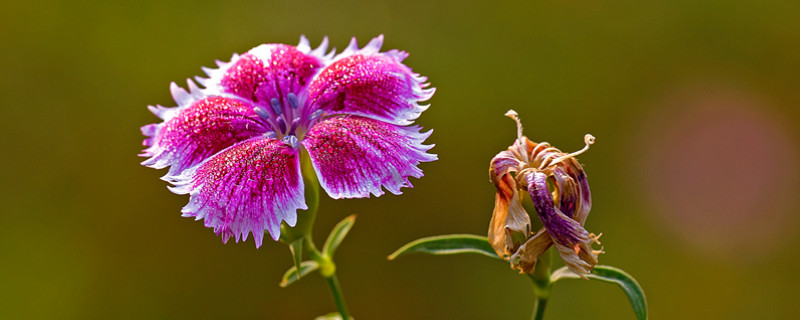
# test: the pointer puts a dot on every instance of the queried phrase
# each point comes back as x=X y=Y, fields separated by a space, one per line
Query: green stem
x=541 y=284
x=328 y=271
x=338 y=298
x=538 y=308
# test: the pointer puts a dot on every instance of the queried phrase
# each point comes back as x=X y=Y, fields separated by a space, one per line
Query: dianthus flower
x=560 y=193
x=235 y=144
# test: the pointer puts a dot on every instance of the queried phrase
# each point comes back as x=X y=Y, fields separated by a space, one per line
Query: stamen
x=264 y=115
x=292 y=100
x=522 y=146
x=261 y=113
x=276 y=106
x=588 y=139
x=291 y=141
x=295 y=124
x=545 y=154
x=513 y=115
x=316 y=114
x=270 y=135
x=282 y=125
x=596 y=239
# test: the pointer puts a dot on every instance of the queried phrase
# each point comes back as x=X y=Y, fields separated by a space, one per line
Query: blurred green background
x=694 y=179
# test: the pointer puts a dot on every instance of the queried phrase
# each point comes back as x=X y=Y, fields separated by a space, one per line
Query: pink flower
x=235 y=145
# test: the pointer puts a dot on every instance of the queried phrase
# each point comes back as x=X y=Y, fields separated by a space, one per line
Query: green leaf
x=614 y=275
x=296 y=247
x=447 y=244
x=337 y=235
x=291 y=275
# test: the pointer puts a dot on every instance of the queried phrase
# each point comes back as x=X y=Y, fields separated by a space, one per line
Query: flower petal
x=249 y=187
x=369 y=83
x=580 y=261
x=196 y=132
x=575 y=171
x=502 y=164
x=574 y=197
x=573 y=242
x=524 y=259
x=263 y=73
x=510 y=224
x=567 y=192
x=355 y=156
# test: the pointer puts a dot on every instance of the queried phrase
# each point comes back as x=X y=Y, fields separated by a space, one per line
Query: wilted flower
x=235 y=145
x=560 y=193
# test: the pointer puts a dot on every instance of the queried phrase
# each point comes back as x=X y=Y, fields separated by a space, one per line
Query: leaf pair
x=467 y=243
x=332 y=243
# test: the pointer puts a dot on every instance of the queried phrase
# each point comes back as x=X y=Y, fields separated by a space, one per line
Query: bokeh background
x=694 y=173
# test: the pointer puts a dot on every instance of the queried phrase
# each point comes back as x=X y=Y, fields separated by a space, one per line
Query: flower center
x=284 y=118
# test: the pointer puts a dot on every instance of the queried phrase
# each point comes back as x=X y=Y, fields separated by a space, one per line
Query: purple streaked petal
x=575 y=171
x=503 y=163
x=249 y=187
x=572 y=241
x=563 y=229
x=198 y=131
x=368 y=83
x=354 y=156
x=567 y=191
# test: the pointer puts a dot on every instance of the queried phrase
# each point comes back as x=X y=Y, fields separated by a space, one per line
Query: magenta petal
x=249 y=187
x=265 y=72
x=355 y=156
x=368 y=83
x=198 y=131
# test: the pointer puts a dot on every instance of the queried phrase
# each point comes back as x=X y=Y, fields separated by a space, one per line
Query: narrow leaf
x=447 y=244
x=614 y=275
x=337 y=235
x=296 y=247
x=291 y=275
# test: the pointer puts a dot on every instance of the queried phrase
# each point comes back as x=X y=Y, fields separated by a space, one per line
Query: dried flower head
x=235 y=145
x=560 y=193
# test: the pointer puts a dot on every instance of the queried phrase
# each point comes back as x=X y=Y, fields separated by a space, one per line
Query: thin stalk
x=538 y=308
x=541 y=284
x=328 y=271
x=338 y=297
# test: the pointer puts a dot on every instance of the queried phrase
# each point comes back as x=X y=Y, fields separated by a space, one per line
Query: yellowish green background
x=694 y=174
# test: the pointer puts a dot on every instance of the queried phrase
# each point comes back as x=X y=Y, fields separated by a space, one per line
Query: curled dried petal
x=566 y=232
